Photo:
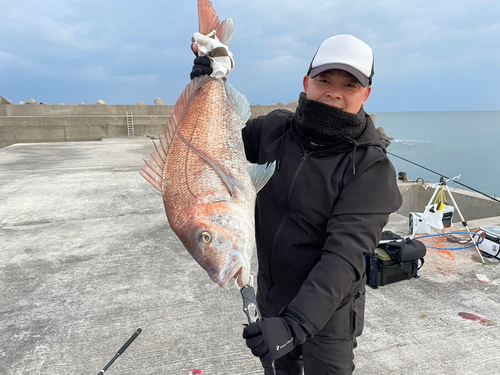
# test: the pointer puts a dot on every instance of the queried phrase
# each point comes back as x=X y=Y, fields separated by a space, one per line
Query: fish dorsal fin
x=153 y=170
x=208 y=21
x=241 y=103
x=261 y=174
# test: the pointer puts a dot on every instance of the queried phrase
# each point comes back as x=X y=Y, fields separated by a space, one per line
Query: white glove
x=210 y=46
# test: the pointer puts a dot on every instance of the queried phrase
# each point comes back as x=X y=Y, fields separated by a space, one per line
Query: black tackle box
x=382 y=272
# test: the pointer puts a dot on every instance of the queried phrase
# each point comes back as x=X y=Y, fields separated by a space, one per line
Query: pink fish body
x=201 y=171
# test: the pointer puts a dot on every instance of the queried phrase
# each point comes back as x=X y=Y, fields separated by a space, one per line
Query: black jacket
x=317 y=217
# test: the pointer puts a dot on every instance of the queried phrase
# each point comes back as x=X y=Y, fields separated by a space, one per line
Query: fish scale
x=217 y=133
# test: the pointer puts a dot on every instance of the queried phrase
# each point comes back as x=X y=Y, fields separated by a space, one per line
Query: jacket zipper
x=285 y=216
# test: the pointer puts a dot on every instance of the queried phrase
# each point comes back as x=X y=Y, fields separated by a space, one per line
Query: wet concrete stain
x=475 y=318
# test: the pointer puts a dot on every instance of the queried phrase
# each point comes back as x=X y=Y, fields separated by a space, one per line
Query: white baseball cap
x=347 y=53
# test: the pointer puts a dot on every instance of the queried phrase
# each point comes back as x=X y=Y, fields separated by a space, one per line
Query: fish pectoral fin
x=223 y=173
x=261 y=174
x=241 y=103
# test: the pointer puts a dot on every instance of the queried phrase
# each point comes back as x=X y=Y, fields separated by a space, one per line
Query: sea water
x=462 y=143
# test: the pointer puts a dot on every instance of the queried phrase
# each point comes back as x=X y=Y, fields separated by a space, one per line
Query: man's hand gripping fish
x=200 y=167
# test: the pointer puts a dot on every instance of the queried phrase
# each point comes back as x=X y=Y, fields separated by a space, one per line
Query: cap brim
x=364 y=80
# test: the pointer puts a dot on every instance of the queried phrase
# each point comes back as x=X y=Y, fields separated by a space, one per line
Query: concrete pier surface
x=87 y=257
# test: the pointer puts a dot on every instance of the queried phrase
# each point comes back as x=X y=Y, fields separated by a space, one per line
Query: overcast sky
x=429 y=54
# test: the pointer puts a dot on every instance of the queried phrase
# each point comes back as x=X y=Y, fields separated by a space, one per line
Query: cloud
x=409 y=36
x=99 y=74
x=50 y=21
x=6 y=57
x=121 y=44
x=281 y=63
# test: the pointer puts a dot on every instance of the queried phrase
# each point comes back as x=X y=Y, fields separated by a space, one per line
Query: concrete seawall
x=30 y=123
x=473 y=206
x=35 y=123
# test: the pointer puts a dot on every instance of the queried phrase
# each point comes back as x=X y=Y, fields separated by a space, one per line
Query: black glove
x=201 y=66
x=272 y=338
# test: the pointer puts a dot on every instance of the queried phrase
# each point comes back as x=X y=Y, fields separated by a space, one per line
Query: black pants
x=330 y=351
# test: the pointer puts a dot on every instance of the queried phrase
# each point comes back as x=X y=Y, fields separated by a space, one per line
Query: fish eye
x=206 y=237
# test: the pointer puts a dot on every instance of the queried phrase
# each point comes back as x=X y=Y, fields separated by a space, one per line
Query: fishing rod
x=122 y=349
x=250 y=306
x=442 y=175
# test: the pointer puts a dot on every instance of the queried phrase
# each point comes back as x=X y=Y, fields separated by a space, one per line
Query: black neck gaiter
x=318 y=124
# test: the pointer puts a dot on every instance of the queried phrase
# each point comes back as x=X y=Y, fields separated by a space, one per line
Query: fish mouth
x=235 y=269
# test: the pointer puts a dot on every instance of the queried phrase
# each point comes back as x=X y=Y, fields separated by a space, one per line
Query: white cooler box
x=438 y=219
x=413 y=222
x=491 y=243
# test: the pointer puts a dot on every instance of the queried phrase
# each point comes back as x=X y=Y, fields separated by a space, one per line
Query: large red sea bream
x=200 y=166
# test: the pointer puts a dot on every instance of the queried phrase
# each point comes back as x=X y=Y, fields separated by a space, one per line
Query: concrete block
x=7 y=134
x=4 y=101
x=473 y=206
x=29 y=134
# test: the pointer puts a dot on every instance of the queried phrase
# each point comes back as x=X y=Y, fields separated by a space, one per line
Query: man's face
x=337 y=88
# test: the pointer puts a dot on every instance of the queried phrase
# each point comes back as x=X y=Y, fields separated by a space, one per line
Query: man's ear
x=305 y=83
x=368 y=92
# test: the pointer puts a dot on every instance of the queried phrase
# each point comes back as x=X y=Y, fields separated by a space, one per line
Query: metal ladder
x=130 y=124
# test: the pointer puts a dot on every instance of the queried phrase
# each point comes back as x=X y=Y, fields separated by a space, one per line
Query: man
x=323 y=210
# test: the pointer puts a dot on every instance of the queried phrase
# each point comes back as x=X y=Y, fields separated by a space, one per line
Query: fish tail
x=208 y=21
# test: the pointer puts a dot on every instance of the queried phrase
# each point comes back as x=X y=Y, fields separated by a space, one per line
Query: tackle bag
x=395 y=259
x=400 y=249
